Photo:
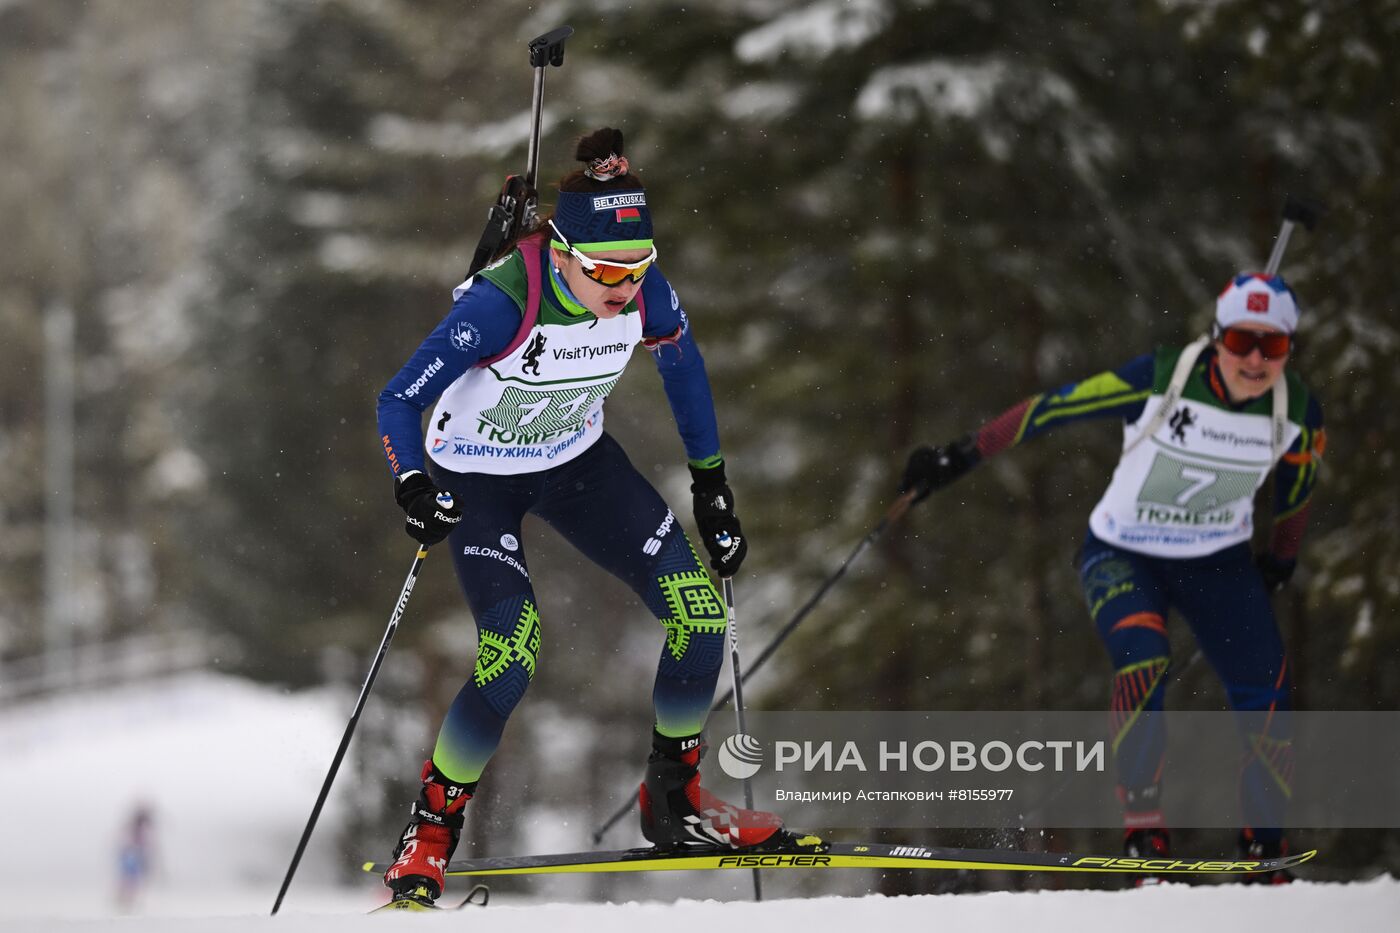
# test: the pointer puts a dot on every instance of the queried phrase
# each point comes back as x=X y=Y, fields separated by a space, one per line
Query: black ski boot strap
x=678 y=749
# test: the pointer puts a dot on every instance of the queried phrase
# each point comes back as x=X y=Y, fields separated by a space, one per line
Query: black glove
x=1276 y=573
x=714 y=516
x=931 y=468
x=431 y=512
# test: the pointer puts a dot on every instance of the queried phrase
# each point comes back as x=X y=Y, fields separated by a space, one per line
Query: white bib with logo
x=539 y=406
x=1187 y=488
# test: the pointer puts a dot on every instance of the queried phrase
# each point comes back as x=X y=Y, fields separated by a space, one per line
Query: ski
x=812 y=853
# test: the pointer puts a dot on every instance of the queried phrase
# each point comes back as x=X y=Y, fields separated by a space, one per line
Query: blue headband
x=604 y=220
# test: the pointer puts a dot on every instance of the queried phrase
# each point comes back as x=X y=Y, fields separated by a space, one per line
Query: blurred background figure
x=135 y=858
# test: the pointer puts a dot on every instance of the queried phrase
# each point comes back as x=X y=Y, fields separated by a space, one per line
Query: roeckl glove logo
x=740 y=756
x=725 y=540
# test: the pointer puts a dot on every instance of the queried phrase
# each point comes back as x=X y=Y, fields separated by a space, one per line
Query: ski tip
x=367 y=866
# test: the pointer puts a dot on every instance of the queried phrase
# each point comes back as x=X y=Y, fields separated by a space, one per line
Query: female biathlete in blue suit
x=519 y=370
x=1203 y=427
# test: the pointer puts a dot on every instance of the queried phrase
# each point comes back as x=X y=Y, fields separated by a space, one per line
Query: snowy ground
x=72 y=770
x=229 y=768
x=1169 y=908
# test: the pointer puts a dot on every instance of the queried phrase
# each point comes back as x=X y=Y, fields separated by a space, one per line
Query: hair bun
x=599 y=144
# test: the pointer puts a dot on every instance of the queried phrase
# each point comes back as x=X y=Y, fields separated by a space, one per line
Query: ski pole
x=545 y=50
x=514 y=210
x=354 y=719
x=728 y=585
x=1295 y=211
x=895 y=513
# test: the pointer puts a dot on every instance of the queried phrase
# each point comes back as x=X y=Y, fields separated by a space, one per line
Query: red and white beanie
x=1264 y=299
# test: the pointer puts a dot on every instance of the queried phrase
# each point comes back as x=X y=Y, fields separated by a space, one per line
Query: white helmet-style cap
x=1253 y=296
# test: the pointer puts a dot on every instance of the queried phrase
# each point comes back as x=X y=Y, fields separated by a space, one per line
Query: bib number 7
x=532 y=409
x=1200 y=480
x=1194 y=487
x=543 y=411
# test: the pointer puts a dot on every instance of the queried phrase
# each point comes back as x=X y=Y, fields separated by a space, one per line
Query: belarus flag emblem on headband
x=1257 y=301
x=627 y=215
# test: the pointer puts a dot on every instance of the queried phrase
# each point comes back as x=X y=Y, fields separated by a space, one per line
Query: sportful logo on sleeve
x=432 y=370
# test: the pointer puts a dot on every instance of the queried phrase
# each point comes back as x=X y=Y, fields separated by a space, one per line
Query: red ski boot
x=1152 y=843
x=429 y=839
x=677 y=811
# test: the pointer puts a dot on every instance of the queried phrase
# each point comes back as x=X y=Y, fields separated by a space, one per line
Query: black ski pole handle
x=549 y=48
x=545 y=50
x=1307 y=213
x=1295 y=211
x=514 y=210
